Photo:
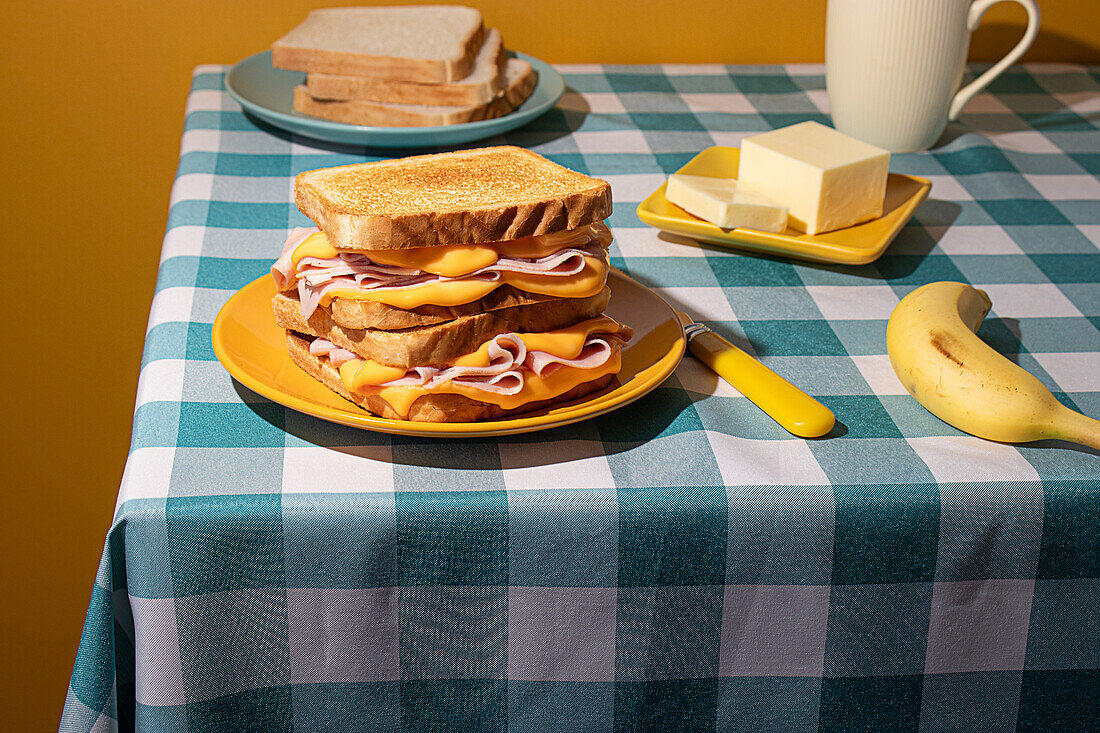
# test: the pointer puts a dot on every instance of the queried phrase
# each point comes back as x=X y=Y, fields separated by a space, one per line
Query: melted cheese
x=315 y=245
x=367 y=377
x=454 y=260
x=566 y=343
x=535 y=388
x=359 y=373
x=462 y=259
x=587 y=282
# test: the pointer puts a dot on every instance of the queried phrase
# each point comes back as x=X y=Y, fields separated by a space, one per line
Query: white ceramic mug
x=893 y=67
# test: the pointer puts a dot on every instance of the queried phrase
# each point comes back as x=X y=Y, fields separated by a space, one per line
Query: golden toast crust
x=469 y=196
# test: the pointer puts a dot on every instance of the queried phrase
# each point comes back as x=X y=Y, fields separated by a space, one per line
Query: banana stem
x=1077 y=428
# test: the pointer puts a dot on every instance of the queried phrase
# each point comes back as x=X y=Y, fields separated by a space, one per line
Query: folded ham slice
x=283 y=269
x=509 y=361
x=318 y=276
x=335 y=354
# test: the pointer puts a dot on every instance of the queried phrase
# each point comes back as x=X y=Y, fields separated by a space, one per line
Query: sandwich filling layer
x=509 y=370
x=570 y=264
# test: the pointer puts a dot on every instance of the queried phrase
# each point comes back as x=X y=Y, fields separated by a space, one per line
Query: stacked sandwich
x=410 y=66
x=453 y=287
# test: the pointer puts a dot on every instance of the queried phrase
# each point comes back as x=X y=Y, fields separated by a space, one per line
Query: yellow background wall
x=93 y=96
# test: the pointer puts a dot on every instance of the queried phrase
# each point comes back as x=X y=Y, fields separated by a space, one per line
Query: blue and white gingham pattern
x=682 y=563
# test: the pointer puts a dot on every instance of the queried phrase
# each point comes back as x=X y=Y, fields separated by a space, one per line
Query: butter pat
x=826 y=179
x=723 y=202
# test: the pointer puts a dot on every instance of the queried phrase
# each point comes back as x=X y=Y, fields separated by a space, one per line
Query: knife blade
x=798 y=413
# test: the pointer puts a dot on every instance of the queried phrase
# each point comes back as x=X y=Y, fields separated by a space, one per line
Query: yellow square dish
x=855 y=245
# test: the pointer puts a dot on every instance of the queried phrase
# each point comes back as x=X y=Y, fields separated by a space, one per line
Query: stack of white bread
x=452 y=287
x=403 y=66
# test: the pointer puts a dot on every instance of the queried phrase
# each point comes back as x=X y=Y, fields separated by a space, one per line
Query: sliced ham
x=595 y=352
x=321 y=347
x=353 y=264
x=283 y=269
x=563 y=262
x=335 y=354
x=317 y=276
x=311 y=295
x=508 y=383
x=509 y=361
x=506 y=353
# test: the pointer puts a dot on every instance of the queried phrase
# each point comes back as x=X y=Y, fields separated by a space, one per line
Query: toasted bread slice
x=519 y=81
x=431 y=407
x=468 y=196
x=482 y=85
x=440 y=343
x=426 y=43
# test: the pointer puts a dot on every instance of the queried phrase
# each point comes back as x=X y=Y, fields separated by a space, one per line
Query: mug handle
x=973 y=18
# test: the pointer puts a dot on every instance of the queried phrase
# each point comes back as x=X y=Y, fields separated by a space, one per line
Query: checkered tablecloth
x=681 y=563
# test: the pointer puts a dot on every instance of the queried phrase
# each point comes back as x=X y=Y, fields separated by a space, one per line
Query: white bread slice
x=467 y=196
x=426 y=43
x=480 y=87
x=429 y=408
x=440 y=343
x=519 y=81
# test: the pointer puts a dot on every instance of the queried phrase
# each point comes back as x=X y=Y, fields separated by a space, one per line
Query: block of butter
x=722 y=201
x=826 y=179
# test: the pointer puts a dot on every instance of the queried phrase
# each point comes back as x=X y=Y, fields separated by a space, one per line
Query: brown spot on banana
x=941 y=342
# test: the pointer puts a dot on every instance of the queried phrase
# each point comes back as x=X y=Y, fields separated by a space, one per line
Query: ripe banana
x=936 y=354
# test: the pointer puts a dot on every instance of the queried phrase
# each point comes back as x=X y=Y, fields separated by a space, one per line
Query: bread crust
x=440 y=343
x=467 y=196
x=423 y=113
x=436 y=408
x=483 y=84
x=516 y=92
x=302 y=49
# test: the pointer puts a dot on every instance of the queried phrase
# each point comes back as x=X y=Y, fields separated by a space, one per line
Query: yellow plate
x=856 y=245
x=253 y=349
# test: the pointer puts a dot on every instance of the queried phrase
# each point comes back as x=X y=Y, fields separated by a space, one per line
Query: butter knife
x=785 y=403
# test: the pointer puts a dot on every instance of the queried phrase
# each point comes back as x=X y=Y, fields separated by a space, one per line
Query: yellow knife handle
x=789 y=406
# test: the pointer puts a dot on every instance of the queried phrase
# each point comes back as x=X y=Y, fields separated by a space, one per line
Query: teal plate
x=268 y=93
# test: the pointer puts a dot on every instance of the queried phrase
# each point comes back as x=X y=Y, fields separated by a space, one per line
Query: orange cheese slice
x=454 y=261
x=587 y=282
x=359 y=373
x=368 y=377
x=566 y=343
x=535 y=387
